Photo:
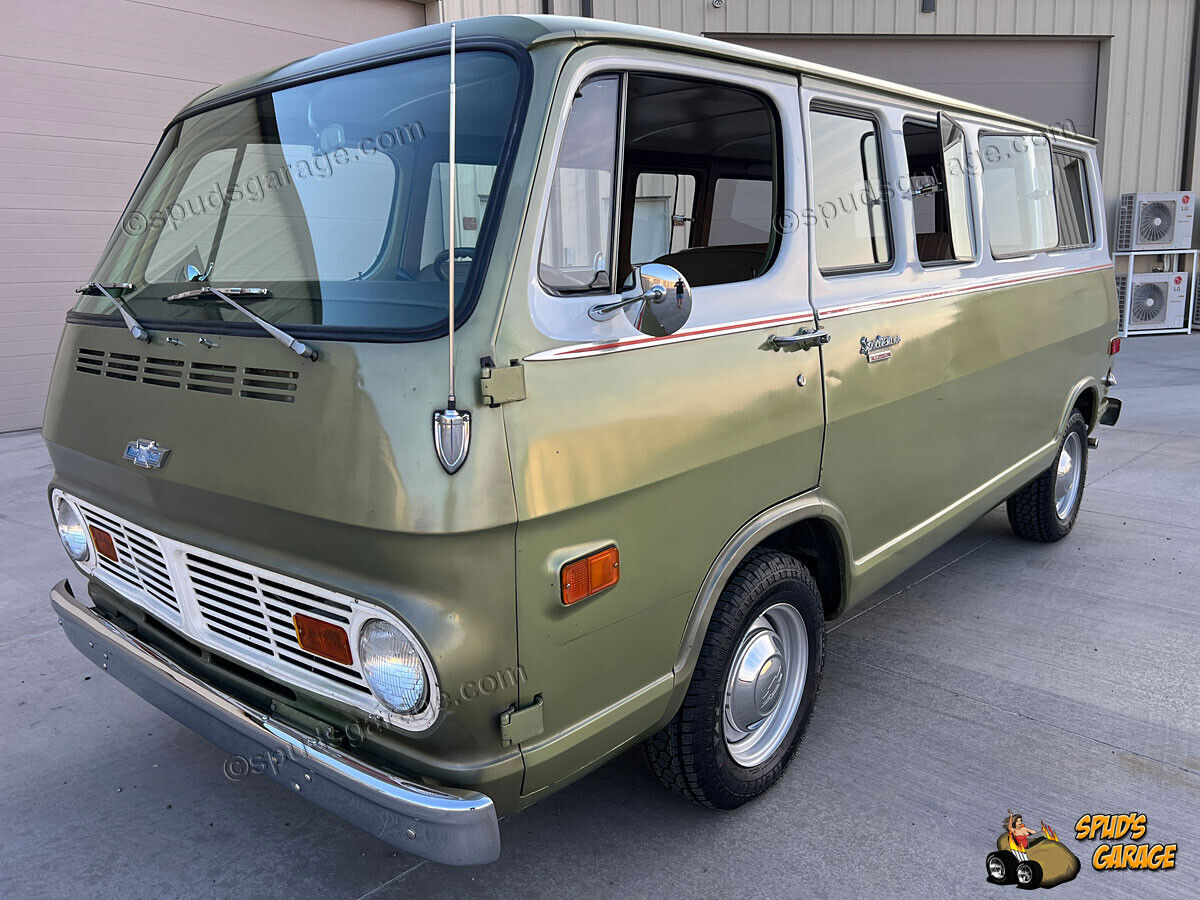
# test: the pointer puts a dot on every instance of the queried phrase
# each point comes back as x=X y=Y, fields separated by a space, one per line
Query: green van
x=450 y=413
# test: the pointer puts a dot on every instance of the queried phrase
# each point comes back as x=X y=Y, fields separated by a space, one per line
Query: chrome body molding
x=452 y=826
x=620 y=345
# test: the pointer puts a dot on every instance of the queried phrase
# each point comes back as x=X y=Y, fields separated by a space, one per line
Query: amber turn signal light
x=104 y=544
x=323 y=639
x=590 y=575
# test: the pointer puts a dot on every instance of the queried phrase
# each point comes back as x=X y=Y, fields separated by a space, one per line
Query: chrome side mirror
x=659 y=304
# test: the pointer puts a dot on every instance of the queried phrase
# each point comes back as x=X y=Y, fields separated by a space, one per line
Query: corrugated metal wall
x=1144 y=62
x=86 y=87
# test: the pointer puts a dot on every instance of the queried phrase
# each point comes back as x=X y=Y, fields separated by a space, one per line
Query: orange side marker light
x=594 y=573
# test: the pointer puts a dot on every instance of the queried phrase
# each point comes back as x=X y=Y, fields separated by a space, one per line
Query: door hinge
x=501 y=384
x=520 y=725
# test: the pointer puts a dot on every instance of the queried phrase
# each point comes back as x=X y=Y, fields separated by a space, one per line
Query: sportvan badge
x=146 y=454
x=876 y=349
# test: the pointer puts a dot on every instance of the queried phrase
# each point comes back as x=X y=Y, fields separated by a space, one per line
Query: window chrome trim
x=1088 y=196
x=564 y=317
x=918 y=118
x=836 y=107
x=985 y=132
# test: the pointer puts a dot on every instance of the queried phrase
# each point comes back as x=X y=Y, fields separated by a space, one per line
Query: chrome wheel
x=1024 y=874
x=995 y=867
x=765 y=684
x=1068 y=476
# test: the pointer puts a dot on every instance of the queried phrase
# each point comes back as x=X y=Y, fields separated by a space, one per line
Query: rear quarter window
x=1018 y=194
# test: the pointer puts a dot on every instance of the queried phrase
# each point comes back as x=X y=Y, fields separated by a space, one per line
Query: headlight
x=71 y=530
x=393 y=667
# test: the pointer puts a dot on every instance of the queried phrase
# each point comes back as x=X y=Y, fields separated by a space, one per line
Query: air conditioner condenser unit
x=1157 y=300
x=1155 y=222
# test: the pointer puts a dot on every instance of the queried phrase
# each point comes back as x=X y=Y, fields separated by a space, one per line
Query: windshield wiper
x=227 y=296
x=135 y=327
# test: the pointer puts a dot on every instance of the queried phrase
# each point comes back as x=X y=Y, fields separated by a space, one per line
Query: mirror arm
x=602 y=311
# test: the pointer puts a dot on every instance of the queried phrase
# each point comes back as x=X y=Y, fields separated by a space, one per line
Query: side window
x=1073 y=199
x=577 y=242
x=721 y=142
x=663 y=211
x=940 y=204
x=851 y=222
x=1018 y=194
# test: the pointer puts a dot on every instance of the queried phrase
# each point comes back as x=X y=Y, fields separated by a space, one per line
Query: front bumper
x=446 y=825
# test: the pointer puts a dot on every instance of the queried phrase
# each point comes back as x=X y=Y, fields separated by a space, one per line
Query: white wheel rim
x=1068 y=476
x=765 y=685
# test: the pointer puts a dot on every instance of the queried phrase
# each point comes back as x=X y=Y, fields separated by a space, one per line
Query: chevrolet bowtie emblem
x=146 y=454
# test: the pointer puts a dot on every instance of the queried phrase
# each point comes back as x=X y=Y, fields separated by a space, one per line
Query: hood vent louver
x=211 y=378
x=251 y=383
x=163 y=372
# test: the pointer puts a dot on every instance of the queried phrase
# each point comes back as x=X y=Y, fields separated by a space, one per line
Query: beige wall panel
x=86 y=87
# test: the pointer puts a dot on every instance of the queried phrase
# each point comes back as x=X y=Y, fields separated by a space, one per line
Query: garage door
x=85 y=90
x=1048 y=81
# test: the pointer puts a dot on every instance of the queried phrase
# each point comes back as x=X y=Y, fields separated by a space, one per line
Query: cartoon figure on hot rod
x=1029 y=857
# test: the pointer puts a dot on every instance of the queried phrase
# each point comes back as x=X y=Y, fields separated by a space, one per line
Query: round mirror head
x=666 y=301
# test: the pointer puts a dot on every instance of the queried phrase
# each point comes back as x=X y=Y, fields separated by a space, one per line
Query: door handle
x=805 y=340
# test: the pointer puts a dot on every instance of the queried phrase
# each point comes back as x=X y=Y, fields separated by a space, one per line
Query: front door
x=660 y=446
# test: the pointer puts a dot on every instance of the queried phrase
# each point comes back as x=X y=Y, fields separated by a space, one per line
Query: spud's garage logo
x=1029 y=857
x=1111 y=855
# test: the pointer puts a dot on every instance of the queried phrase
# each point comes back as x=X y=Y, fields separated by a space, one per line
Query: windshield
x=331 y=195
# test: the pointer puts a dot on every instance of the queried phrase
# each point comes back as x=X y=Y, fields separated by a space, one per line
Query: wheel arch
x=1084 y=397
x=807 y=527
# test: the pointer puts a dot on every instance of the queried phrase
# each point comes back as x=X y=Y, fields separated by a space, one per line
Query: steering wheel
x=441 y=262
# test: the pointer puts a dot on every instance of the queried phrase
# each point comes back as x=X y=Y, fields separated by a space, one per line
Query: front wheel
x=753 y=690
x=1045 y=509
x=1029 y=874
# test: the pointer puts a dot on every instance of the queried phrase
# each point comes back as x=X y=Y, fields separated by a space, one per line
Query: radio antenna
x=451 y=426
x=453 y=211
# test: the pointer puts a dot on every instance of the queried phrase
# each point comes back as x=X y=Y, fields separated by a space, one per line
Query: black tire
x=689 y=755
x=1034 y=870
x=1031 y=510
x=1007 y=865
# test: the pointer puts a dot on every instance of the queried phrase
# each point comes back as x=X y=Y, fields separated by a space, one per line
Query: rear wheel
x=1045 y=509
x=753 y=690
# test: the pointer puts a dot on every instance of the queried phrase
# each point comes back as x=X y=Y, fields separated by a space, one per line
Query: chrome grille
x=235 y=608
x=252 y=609
x=140 y=562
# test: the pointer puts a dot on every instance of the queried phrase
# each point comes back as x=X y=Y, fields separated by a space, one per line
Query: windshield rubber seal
x=471 y=289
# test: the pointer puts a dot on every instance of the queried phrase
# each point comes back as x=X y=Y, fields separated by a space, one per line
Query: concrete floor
x=1056 y=680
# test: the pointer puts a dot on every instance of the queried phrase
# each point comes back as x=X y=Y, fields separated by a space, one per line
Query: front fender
x=810 y=505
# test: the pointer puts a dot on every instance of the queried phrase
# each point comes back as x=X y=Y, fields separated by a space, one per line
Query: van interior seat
x=934 y=246
x=717 y=265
